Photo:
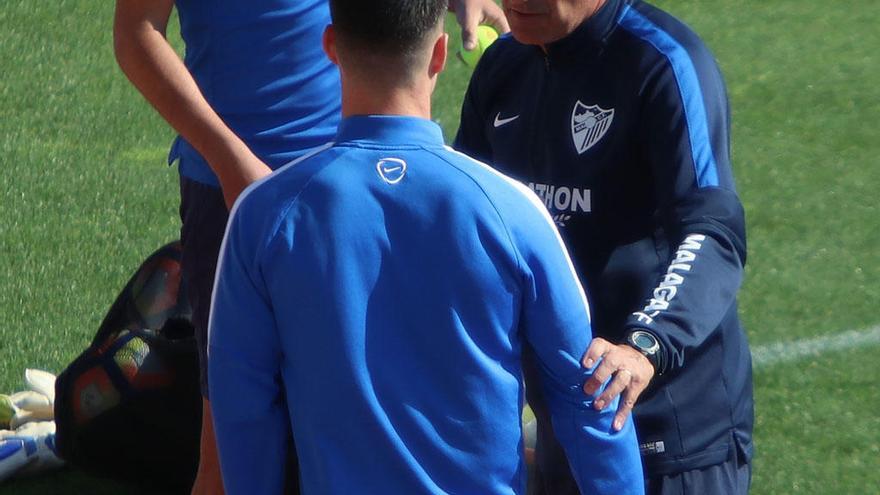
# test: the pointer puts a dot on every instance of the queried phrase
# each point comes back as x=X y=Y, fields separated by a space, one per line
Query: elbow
x=133 y=33
x=123 y=44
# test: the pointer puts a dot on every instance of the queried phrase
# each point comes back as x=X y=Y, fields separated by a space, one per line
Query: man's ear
x=438 y=55
x=328 y=41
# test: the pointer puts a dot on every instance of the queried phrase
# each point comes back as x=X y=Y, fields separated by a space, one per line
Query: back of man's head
x=391 y=32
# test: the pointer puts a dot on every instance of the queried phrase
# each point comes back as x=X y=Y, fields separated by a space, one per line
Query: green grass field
x=85 y=197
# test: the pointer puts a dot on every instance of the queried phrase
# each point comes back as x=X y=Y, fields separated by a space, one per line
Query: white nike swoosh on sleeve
x=500 y=122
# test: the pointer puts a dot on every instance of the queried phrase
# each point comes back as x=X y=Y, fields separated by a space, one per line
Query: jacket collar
x=389 y=129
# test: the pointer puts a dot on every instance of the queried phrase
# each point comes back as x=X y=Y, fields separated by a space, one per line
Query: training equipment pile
x=27 y=429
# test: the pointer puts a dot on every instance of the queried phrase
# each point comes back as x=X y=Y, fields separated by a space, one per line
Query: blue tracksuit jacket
x=622 y=128
x=384 y=288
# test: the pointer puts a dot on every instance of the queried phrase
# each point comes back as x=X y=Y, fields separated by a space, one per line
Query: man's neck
x=364 y=99
x=588 y=14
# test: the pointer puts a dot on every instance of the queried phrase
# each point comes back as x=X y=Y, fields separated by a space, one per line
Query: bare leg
x=208 y=479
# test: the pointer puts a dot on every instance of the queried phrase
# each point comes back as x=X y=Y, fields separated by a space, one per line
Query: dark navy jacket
x=622 y=128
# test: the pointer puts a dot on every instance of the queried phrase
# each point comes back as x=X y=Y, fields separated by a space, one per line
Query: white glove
x=28 y=450
x=35 y=404
x=41 y=382
x=28 y=446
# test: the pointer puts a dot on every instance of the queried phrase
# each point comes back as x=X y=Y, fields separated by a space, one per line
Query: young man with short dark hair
x=253 y=92
x=384 y=288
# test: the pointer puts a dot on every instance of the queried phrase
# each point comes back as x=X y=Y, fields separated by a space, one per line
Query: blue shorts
x=203 y=215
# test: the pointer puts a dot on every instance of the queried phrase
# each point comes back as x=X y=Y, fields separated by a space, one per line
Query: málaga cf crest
x=588 y=125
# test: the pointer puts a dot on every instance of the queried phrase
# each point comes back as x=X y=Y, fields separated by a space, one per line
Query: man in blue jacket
x=253 y=92
x=616 y=115
x=384 y=286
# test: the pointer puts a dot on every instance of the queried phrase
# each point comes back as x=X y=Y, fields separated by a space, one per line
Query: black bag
x=129 y=407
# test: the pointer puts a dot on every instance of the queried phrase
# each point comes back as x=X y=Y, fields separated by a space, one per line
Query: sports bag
x=129 y=406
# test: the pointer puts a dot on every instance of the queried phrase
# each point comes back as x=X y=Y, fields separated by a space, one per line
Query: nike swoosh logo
x=391 y=169
x=500 y=122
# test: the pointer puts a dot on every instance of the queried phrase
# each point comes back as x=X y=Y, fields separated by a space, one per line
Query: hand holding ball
x=486 y=35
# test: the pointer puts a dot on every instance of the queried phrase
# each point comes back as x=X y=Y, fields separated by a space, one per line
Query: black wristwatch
x=646 y=343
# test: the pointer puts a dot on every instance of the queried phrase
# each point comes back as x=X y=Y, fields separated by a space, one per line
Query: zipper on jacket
x=535 y=163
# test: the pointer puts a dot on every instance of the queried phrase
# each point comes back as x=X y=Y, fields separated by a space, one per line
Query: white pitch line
x=784 y=352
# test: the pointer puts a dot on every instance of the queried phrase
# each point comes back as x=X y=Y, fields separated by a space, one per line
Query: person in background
x=616 y=115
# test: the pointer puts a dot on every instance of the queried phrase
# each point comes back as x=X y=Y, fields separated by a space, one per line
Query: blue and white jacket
x=384 y=289
x=622 y=128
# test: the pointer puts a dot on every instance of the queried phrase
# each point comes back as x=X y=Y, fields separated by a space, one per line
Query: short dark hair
x=388 y=27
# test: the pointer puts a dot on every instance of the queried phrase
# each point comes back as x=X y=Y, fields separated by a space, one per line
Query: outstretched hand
x=472 y=13
x=631 y=370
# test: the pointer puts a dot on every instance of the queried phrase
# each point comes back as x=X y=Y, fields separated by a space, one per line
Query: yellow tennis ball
x=486 y=35
x=7 y=411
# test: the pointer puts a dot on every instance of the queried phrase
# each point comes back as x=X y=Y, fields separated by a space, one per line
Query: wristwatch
x=646 y=343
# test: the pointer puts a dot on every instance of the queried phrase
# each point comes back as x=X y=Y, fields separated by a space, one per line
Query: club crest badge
x=589 y=125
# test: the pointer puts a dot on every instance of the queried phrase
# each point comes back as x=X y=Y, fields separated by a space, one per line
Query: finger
x=598 y=348
x=600 y=375
x=627 y=402
x=31 y=401
x=494 y=16
x=622 y=379
x=472 y=13
x=41 y=382
x=469 y=19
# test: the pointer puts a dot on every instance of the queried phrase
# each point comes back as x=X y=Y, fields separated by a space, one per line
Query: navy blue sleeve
x=555 y=321
x=244 y=362
x=685 y=123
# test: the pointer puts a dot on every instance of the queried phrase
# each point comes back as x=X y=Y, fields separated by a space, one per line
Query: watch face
x=644 y=340
x=647 y=344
